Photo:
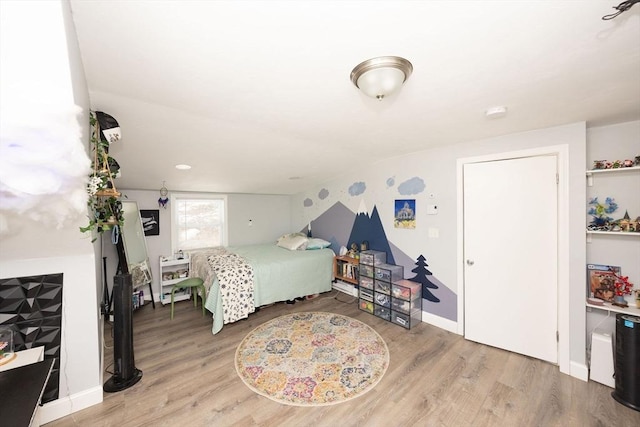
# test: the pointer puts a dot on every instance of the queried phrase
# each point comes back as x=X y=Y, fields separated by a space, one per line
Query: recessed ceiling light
x=183 y=167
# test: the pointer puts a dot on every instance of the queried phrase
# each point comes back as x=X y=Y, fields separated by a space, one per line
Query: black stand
x=106 y=299
x=627 y=354
x=125 y=373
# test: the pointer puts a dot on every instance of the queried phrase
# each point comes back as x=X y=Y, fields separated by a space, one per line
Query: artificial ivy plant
x=105 y=208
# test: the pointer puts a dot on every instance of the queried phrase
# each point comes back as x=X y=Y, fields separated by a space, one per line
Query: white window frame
x=175 y=197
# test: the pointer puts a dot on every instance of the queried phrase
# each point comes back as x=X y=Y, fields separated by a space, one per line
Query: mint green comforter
x=279 y=275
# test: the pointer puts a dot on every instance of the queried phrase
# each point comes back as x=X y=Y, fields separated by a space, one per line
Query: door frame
x=562 y=154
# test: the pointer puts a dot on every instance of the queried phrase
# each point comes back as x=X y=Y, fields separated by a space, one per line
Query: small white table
x=24 y=357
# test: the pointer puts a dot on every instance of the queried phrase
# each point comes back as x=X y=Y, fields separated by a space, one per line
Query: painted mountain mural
x=422 y=277
x=448 y=306
x=334 y=225
x=370 y=228
x=341 y=226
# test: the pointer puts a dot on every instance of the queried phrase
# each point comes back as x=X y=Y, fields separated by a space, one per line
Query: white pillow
x=293 y=243
x=315 y=243
x=284 y=236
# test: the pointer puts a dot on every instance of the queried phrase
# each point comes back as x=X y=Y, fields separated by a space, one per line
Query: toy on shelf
x=601 y=221
x=608 y=164
x=622 y=287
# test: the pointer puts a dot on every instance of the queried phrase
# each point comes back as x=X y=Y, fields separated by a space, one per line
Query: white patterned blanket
x=235 y=280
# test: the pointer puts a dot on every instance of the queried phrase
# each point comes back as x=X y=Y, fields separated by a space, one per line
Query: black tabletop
x=20 y=392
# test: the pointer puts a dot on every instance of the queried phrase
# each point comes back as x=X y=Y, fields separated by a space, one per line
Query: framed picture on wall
x=404 y=214
x=150 y=221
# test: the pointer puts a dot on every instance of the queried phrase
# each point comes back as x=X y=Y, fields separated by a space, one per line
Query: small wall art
x=150 y=221
x=405 y=214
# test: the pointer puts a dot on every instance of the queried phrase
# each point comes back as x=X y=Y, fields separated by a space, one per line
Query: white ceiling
x=253 y=93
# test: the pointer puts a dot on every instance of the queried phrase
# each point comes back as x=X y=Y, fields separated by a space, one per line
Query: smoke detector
x=496 y=112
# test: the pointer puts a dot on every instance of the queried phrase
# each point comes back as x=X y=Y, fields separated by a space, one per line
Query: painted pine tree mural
x=422 y=276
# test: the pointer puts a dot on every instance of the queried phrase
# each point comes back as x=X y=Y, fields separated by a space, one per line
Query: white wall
x=40 y=63
x=270 y=217
x=616 y=142
x=437 y=168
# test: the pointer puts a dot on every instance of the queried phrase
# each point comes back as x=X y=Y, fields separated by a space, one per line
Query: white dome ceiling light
x=380 y=77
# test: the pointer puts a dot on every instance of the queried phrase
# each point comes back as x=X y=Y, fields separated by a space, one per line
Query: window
x=198 y=221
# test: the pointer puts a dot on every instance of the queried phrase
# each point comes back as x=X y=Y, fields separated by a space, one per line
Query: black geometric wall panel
x=32 y=307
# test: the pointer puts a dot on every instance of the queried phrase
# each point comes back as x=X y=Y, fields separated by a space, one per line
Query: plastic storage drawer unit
x=388 y=272
x=366 y=270
x=400 y=305
x=366 y=306
x=373 y=257
x=406 y=290
x=366 y=282
x=383 y=287
x=366 y=294
x=382 y=312
x=383 y=300
x=405 y=320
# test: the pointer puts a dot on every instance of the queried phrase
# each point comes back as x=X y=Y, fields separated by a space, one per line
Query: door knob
x=469 y=262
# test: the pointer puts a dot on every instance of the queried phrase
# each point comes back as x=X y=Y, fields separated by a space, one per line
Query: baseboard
x=440 y=322
x=67 y=405
x=579 y=371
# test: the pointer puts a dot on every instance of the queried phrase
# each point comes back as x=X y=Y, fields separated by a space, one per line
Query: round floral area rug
x=312 y=359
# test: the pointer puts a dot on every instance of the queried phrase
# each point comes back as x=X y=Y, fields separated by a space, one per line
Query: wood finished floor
x=435 y=378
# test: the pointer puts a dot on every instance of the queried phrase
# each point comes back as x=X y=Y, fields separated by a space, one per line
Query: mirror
x=135 y=245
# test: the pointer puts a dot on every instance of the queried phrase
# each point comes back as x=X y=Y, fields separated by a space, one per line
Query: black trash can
x=627 y=369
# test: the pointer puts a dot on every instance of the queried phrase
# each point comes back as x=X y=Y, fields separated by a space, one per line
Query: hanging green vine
x=105 y=208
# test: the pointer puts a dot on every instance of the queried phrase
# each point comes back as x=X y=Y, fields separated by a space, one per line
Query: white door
x=510 y=252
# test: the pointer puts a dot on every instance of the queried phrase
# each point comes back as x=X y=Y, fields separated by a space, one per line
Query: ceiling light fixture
x=381 y=76
x=183 y=167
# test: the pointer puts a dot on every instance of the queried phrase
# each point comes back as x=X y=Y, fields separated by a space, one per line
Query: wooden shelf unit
x=345 y=268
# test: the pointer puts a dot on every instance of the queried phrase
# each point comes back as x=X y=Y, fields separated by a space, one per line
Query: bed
x=262 y=274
